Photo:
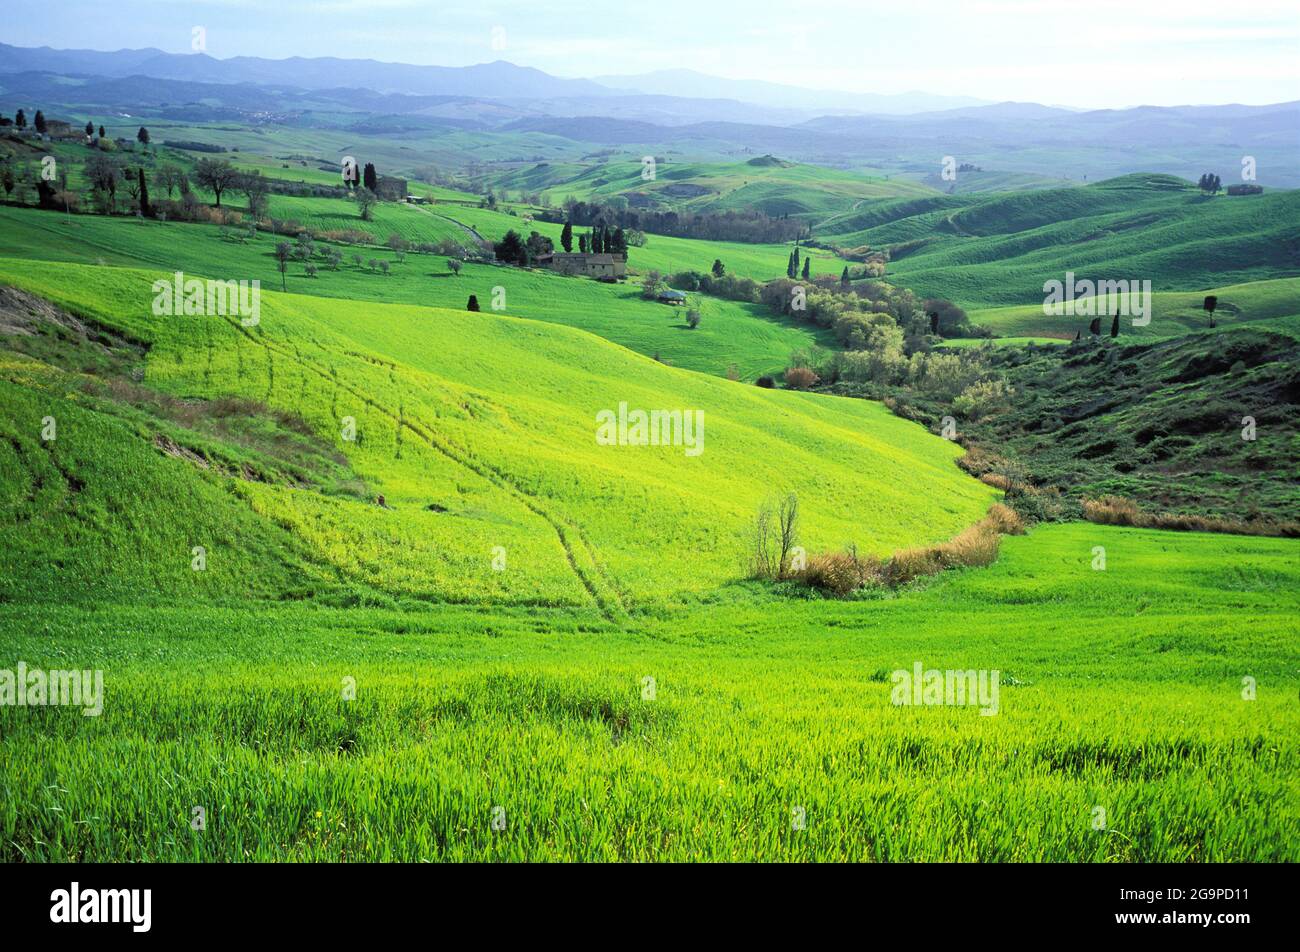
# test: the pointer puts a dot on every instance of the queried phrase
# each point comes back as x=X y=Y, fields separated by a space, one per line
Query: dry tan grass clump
x=800 y=378
x=1006 y=520
x=840 y=573
x=1112 y=511
x=1118 y=511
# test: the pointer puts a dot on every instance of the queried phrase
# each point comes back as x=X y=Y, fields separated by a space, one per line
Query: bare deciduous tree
x=774 y=536
x=216 y=175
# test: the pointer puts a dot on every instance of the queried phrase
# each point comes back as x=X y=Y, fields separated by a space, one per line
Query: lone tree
x=102 y=174
x=719 y=269
x=216 y=175
x=369 y=178
x=806 y=263
x=20 y=120
x=143 y=137
x=366 y=200
x=1211 y=302
x=472 y=304
x=145 y=210
x=454 y=266
x=101 y=132
x=844 y=277
x=692 y=318
x=90 y=129
x=566 y=237
x=40 y=122
x=283 y=252
x=1114 y=326
x=255 y=189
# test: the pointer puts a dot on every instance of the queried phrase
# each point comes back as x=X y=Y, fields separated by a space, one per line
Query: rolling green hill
x=999 y=250
x=747 y=336
x=1266 y=305
x=764 y=183
x=661 y=252
x=375 y=489
x=478 y=430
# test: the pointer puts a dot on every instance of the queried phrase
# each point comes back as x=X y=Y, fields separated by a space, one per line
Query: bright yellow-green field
x=492 y=422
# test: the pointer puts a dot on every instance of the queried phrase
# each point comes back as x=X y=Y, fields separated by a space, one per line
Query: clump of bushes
x=842 y=573
x=767 y=383
x=1118 y=511
x=800 y=378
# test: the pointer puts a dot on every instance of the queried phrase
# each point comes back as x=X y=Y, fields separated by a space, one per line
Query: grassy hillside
x=983 y=252
x=1120 y=690
x=661 y=252
x=479 y=431
x=1158 y=422
x=1264 y=305
x=764 y=183
x=415 y=223
x=749 y=337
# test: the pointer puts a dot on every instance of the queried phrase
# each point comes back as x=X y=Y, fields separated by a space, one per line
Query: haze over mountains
x=680 y=111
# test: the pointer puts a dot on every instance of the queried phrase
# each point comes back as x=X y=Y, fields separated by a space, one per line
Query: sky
x=1084 y=53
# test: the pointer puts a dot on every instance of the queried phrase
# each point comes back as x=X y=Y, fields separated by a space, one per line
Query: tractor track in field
x=609 y=602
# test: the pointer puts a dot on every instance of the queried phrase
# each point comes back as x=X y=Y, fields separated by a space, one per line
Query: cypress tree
x=145 y=210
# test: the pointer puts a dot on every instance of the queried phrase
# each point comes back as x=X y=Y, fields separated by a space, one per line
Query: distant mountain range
x=499 y=80
x=673 y=111
x=688 y=83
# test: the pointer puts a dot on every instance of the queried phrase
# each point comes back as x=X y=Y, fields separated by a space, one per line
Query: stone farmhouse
x=588 y=265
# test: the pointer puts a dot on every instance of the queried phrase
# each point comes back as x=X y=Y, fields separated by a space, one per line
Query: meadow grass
x=1266 y=305
x=480 y=432
x=747 y=336
x=998 y=250
x=1120 y=690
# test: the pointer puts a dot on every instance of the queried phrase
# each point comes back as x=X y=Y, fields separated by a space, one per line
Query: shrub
x=800 y=378
x=767 y=383
x=1112 y=511
x=984 y=398
x=840 y=573
x=1006 y=520
x=353 y=236
x=692 y=319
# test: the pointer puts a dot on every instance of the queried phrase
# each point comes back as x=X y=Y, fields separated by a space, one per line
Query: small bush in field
x=767 y=383
x=840 y=573
x=800 y=378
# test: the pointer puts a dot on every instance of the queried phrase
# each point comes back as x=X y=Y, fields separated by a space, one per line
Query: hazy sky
x=1087 y=53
